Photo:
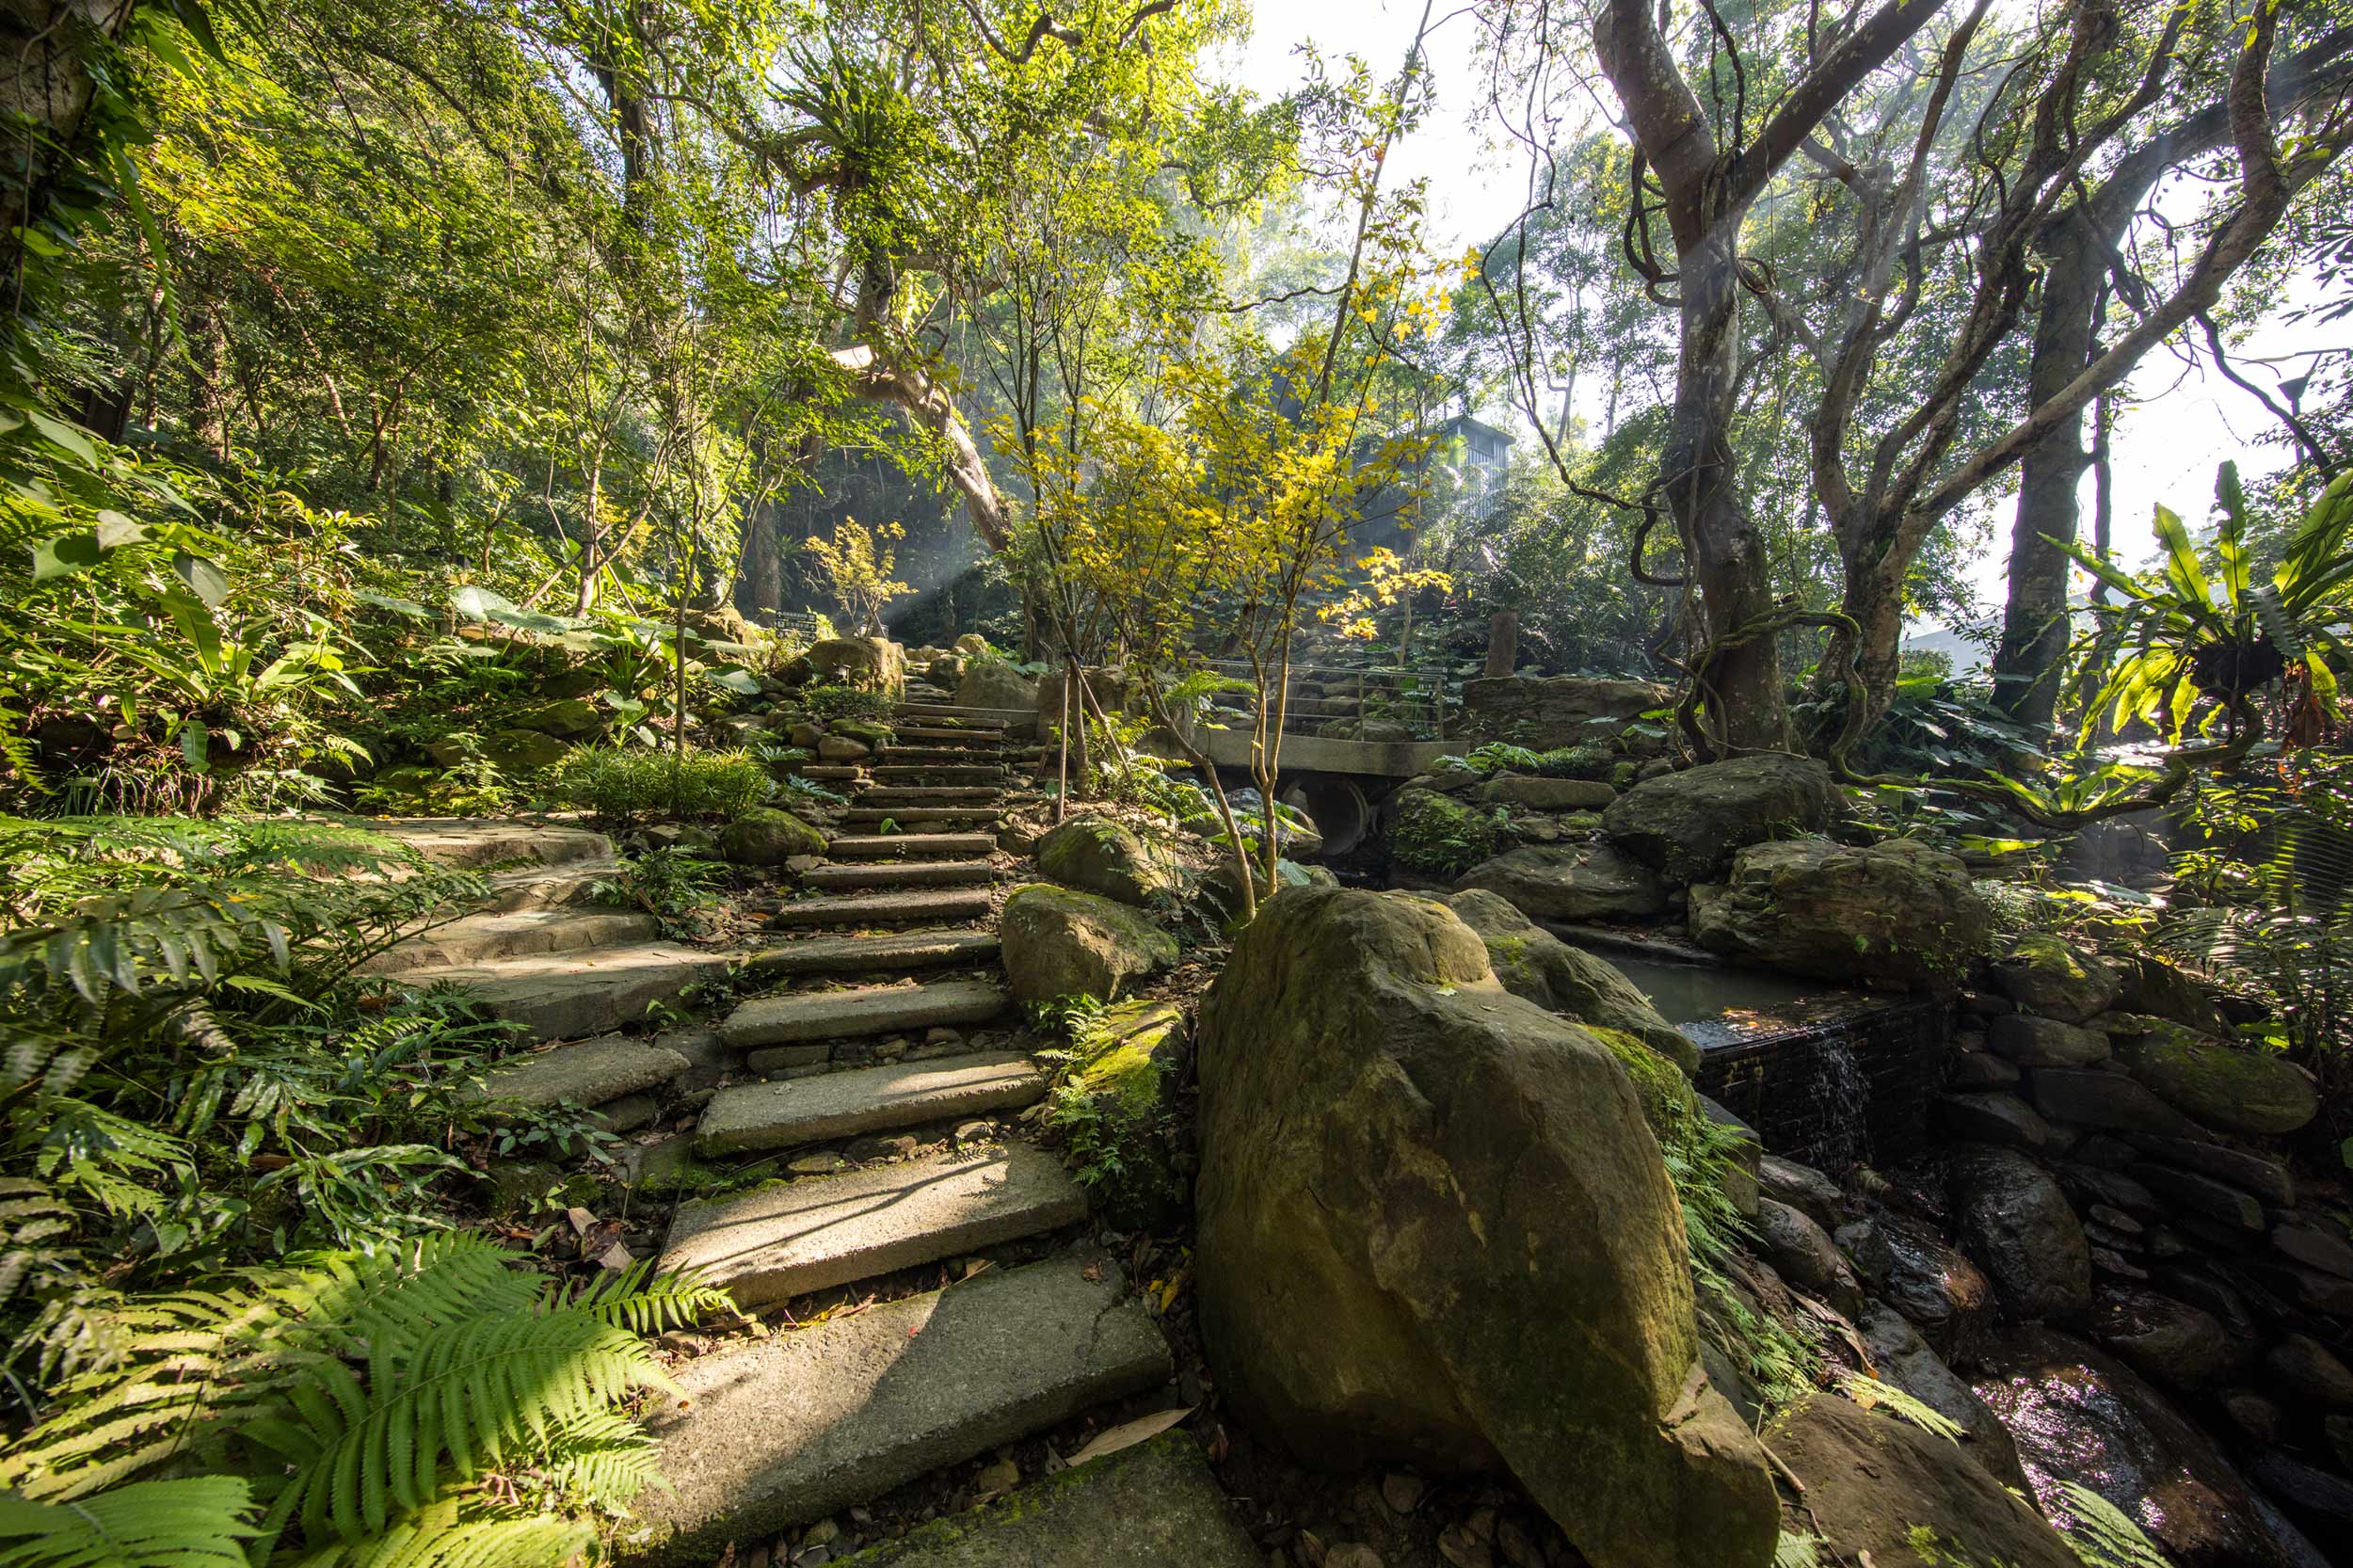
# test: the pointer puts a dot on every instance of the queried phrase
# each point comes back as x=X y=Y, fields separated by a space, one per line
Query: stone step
x=479 y=843
x=953 y=755
x=805 y=1423
x=830 y=773
x=572 y=996
x=936 y=774
x=1156 y=1505
x=587 y=1074
x=910 y=873
x=566 y=886
x=968 y=740
x=870 y=1010
x=964 y=718
x=911 y=846
x=751 y=1118
x=785 y=1240
x=913 y=906
x=874 y=816
x=912 y=949
x=481 y=938
x=931 y=794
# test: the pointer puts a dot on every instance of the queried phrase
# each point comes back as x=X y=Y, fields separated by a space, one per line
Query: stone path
x=885 y=1017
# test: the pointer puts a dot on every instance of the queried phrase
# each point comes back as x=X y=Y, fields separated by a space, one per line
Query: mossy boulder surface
x=1570 y=882
x=1433 y=1224
x=1059 y=942
x=568 y=716
x=1687 y=825
x=1101 y=854
x=1532 y=963
x=1896 y=911
x=765 y=836
x=1437 y=834
x=2221 y=1084
x=2055 y=978
x=1116 y=1109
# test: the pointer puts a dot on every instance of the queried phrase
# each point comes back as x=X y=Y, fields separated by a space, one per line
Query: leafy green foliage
x=1439 y=836
x=620 y=785
x=667 y=883
x=2104 y=1535
x=827 y=704
x=1586 y=760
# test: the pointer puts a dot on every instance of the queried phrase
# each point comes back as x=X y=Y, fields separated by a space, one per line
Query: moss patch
x=1439 y=836
x=1113 y=1112
x=2220 y=1084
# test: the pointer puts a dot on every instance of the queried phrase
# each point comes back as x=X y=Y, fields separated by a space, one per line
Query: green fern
x=1798 y=1551
x=200 y=1522
x=2104 y=1536
x=359 y=1394
x=1871 y=1394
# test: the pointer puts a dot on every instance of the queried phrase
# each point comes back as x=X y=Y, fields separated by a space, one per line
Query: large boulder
x=2079 y=1415
x=1938 y=1291
x=1532 y=963
x=2220 y=1084
x=1893 y=911
x=2054 y=977
x=1872 y=1481
x=1433 y=1224
x=994 y=683
x=1059 y=942
x=2014 y=1220
x=1101 y=854
x=1545 y=712
x=765 y=836
x=1687 y=825
x=871 y=664
x=1570 y=882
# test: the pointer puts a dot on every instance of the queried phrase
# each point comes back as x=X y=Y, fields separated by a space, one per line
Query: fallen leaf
x=1128 y=1434
x=616 y=1257
x=581 y=1220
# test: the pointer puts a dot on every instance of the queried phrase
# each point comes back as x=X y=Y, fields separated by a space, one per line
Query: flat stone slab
x=969 y=718
x=909 y=950
x=787 y=1239
x=968 y=740
x=572 y=996
x=478 y=938
x=910 y=846
x=590 y=1073
x=792 y=1429
x=906 y=874
x=470 y=842
x=756 y=1116
x=874 y=1010
x=873 y=816
x=927 y=905
x=918 y=775
x=1153 y=1506
x=932 y=794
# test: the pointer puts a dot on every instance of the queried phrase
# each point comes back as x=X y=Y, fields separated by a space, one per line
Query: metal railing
x=1319 y=695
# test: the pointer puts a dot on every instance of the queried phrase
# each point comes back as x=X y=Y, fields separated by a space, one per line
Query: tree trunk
x=1746 y=704
x=46 y=80
x=1503 y=643
x=2034 y=622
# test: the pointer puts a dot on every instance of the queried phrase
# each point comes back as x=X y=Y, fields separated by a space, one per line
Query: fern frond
x=2104 y=1536
x=1871 y=1394
x=438 y=1537
x=195 y=1523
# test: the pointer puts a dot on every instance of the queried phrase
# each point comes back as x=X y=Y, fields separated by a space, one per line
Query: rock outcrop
x=1432 y=1223
x=1532 y=963
x=1687 y=825
x=2016 y=1221
x=1894 y=911
x=1570 y=882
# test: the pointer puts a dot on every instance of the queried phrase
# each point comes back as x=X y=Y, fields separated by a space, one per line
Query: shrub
x=1438 y=835
x=621 y=785
x=824 y=704
x=1585 y=759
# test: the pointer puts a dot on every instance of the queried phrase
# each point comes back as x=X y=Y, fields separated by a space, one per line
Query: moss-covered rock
x=1437 y=834
x=2053 y=977
x=1533 y=963
x=2218 y=1084
x=1101 y=854
x=765 y=836
x=1433 y=1224
x=1060 y=942
x=569 y=717
x=1687 y=825
x=1116 y=1112
x=1900 y=910
x=521 y=750
x=1571 y=881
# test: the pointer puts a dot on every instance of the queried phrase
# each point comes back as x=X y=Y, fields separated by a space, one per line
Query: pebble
x=815 y=1164
x=939 y=1035
x=1463 y=1549
x=1518 y=1546
x=1003 y=1475
x=973 y=1133
x=821 y=1533
x=897 y=1146
x=1402 y=1492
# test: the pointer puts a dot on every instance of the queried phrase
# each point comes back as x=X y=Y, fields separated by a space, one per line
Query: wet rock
x=2037 y=1041
x=1896 y=911
x=1871 y=1479
x=1059 y=942
x=1687 y=825
x=1866 y=1249
x=2242 y=1168
x=2220 y=1084
x=1901 y=1357
x=1349 y=1303
x=2051 y=976
x=2254 y=1415
x=2015 y=1221
x=2306 y=1370
x=2216 y=1200
x=2080 y=1415
x=2315 y=1248
x=1806 y=1257
x=1570 y=882
x=1993 y=1118
x=1977 y=1069
x=2171 y=1341
x=2299 y=1484
x=2102 y=1099
x=1937 y=1288
x=1803 y=1188
x=1532 y=963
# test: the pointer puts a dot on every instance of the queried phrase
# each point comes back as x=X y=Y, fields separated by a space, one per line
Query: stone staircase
x=871 y=1073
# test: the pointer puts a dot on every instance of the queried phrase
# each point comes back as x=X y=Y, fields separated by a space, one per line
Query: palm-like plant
x=433 y=1404
x=2177 y=637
